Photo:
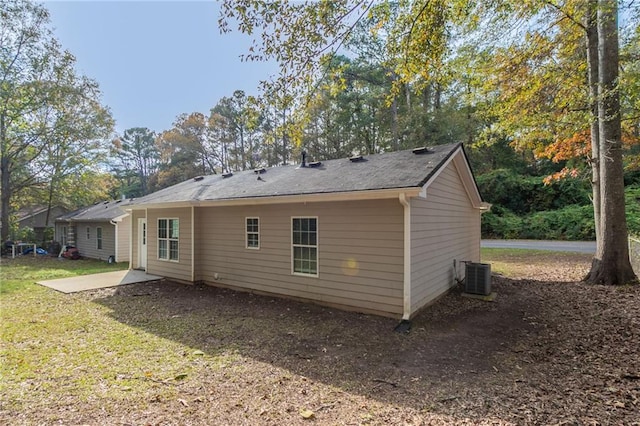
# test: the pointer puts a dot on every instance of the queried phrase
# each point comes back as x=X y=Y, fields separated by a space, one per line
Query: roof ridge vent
x=260 y=171
x=198 y=178
x=106 y=202
x=227 y=175
x=356 y=158
x=314 y=164
x=421 y=150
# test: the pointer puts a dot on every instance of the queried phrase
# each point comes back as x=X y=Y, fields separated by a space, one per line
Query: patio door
x=142 y=243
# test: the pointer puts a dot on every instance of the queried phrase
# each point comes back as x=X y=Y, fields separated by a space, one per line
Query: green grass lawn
x=23 y=271
x=64 y=347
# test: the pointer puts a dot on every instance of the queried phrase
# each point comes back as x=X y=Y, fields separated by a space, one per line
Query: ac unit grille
x=478 y=278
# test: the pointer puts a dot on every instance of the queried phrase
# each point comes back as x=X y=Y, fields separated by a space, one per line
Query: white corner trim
x=406 y=204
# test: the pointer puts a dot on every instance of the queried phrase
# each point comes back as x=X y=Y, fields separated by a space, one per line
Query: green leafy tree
x=571 y=116
x=535 y=44
x=134 y=158
x=47 y=110
x=181 y=151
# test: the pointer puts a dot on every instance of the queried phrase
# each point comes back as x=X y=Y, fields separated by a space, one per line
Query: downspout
x=115 y=240
x=407 y=257
x=193 y=245
x=131 y=240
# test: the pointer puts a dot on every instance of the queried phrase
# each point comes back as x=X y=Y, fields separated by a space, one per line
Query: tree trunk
x=613 y=267
x=284 y=137
x=5 y=182
x=394 y=125
x=49 y=206
x=591 y=27
x=426 y=98
x=438 y=97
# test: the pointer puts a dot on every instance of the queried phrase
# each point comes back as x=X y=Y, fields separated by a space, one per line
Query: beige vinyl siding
x=180 y=270
x=360 y=252
x=89 y=247
x=444 y=227
x=123 y=229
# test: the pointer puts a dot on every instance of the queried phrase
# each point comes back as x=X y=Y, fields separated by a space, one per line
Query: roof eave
x=374 y=194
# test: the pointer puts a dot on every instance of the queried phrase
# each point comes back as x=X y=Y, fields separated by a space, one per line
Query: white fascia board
x=290 y=199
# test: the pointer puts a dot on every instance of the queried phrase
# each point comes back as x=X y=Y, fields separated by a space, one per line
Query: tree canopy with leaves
x=51 y=119
x=540 y=73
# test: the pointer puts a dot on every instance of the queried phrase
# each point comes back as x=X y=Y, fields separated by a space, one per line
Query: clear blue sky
x=155 y=59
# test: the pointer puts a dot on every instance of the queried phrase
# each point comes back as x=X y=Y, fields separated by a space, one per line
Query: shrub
x=632 y=199
x=526 y=194
x=569 y=223
x=500 y=222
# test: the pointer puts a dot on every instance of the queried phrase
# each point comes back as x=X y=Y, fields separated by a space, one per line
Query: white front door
x=142 y=244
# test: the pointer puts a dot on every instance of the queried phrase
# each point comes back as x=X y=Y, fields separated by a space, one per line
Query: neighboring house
x=39 y=219
x=379 y=234
x=99 y=231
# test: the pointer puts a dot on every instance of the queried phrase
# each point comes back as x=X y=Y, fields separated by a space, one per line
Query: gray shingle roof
x=400 y=169
x=100 y=212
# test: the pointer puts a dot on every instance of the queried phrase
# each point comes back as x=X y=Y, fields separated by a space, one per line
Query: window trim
x=99 y=237
x=158 y=239
x=88 y=232
x=316 y=246
x=247 y=233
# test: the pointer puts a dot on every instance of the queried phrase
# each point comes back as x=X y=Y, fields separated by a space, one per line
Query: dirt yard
x=549 y=350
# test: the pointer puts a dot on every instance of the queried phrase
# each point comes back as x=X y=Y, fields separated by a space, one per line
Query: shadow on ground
x=455 y=347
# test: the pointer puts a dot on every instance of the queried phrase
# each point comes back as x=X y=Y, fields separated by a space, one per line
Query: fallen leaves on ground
x=549 y=350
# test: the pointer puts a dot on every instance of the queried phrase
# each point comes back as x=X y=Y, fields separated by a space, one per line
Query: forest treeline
x=521 y=110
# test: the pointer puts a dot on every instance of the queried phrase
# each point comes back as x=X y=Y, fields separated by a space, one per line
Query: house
x=99 y=231
x=38 y=218
x=381 y=234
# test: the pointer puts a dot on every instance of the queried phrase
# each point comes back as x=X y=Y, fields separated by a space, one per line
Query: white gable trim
x=466 y=176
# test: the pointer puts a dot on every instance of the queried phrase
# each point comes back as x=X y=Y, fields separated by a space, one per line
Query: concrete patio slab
x=95 y=281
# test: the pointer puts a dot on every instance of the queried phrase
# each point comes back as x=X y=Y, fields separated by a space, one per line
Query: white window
x=304 y=250
x=99 y=237
x=88 y=232
x=252 y=225
x=168 y=234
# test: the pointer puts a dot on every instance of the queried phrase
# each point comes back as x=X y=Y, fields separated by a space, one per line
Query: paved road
x=571 y=246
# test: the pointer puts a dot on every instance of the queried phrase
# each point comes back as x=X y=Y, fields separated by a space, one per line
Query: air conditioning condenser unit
x=477 y=278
